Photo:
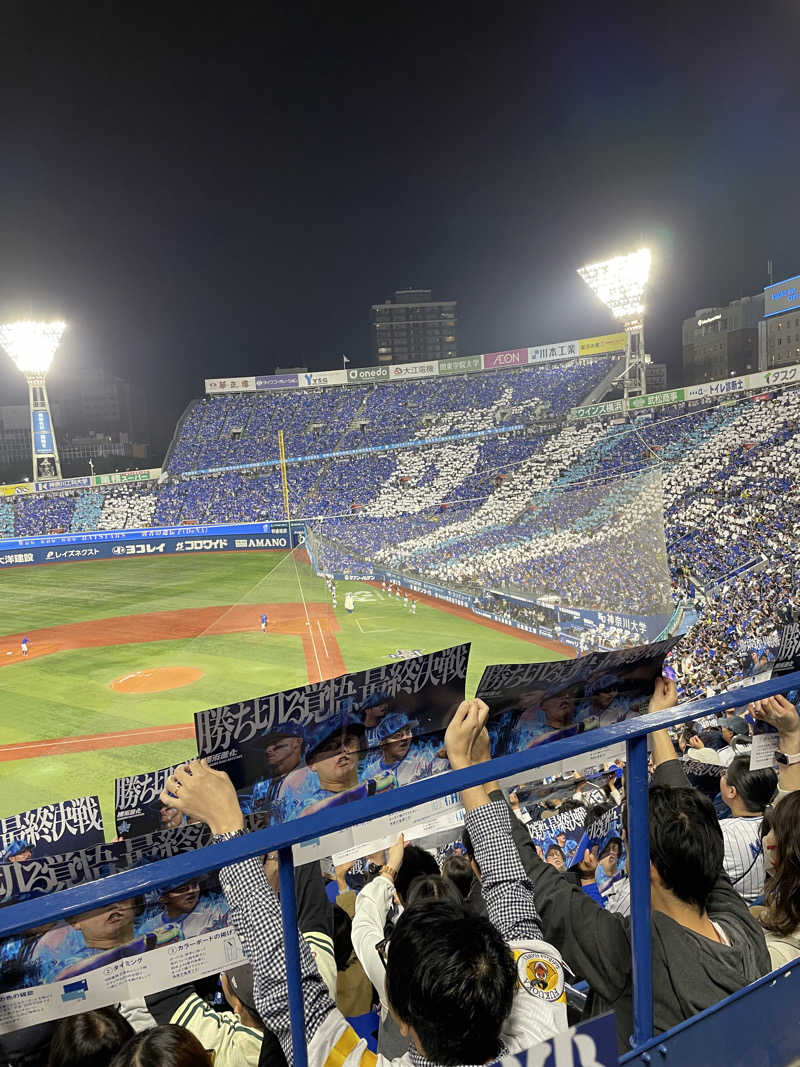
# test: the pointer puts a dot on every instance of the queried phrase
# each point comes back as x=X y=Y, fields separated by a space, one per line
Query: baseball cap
x=286 y=729
x=735 y=723
x=14 y=848
x=241 y=983
x=391 y=724
x=317 y=736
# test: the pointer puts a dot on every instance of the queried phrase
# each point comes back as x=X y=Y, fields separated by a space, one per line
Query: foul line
x=308 y=620
x=322 y=638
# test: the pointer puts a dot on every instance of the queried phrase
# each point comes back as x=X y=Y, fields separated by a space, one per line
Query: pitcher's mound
x=157 y=680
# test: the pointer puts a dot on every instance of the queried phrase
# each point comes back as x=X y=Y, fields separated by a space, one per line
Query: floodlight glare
x=620 y=283
x=32 y=345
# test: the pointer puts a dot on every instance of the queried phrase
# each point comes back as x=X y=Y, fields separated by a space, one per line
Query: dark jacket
x=690 y=972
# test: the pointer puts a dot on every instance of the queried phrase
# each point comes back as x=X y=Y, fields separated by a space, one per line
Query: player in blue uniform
x=264 y=622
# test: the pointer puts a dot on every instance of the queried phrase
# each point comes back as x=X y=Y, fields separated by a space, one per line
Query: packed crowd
x=461 y=952
x=571 y=513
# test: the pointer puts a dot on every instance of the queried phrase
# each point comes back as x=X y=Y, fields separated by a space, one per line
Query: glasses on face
x=382 y=948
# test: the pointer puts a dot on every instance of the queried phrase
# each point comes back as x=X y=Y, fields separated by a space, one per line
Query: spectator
x=90 y=1039
x=732 y=727
x=746 y=793
x=457 y=868
x=163 y=1046
x=706 y=944
x=405 y=866
x=780 y=916
x=450 y=975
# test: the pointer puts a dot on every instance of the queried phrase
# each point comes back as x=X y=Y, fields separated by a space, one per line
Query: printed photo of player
x=283 y=753
x=400 y=755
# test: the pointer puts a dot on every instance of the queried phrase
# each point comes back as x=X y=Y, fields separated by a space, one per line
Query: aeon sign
x=514 y=357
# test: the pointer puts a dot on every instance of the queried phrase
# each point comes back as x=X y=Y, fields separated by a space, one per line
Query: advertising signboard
x=551 y=353
x=316 y=379
x=356 y=375
x=403 y=371
x=513 y=357
x=596 y=346
x=783 y=296
x=276 y=381
x=460 y=365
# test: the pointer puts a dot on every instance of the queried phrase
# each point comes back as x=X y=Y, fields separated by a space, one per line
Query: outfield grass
x=68 y=693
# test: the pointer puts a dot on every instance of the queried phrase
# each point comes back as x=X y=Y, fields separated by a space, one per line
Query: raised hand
x=206 y=795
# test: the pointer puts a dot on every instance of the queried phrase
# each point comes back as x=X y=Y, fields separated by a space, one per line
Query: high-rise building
x=412 y=327
x=780 y=330
x=719 y=342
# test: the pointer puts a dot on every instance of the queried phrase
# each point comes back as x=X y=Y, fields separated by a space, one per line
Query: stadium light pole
x=620 y=283
x=32 y=345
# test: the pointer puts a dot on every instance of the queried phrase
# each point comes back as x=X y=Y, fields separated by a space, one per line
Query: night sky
x=218 y=189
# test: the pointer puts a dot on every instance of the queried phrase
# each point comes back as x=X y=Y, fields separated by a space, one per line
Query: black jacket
x=690 y=972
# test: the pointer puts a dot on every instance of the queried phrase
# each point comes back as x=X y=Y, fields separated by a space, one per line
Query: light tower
x=32 y=346
x=620 y=283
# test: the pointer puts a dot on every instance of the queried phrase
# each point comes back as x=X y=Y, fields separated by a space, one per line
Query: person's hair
x=755 y=788
x=686 y=845
x=451 y=976
x=571 y=804
x=416 y=861
x=596 y=810
x=782 y=894
x=342 y=937
x=432 y=887
x=162 y=1046
x=90 y=1039
x=458 y=870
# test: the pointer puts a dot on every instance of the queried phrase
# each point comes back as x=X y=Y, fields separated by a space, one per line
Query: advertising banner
x=17 y=489
x=230 y=385
x=71 y=551
x=783 y=296
x=69 y=824
x=404 y=371
x=460 y=365
x=248 y=530
x=63 y=483
x=125 y=477
x=597 y=346
x=343 y=739
x=513 y=357
x=552 y=353
x=653 y=400
x=778 y=376
x=357 y=375
x=593 y=411
x=315 y=379
x=276 y=381
x=42 y=433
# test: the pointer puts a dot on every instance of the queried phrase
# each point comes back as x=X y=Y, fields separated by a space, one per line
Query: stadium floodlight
x=620 y=283
x=32 y=346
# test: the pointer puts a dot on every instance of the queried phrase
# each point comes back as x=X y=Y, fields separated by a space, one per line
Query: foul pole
x=284 y=482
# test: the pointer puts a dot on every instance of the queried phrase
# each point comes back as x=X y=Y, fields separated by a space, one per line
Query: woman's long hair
x=782 y=896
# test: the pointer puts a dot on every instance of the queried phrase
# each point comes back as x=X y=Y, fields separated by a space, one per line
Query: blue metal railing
x=20 y=917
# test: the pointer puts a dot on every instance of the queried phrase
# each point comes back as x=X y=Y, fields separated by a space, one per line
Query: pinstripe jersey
x=744 y=855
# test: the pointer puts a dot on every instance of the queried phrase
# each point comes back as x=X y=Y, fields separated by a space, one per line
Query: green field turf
x=68 y=693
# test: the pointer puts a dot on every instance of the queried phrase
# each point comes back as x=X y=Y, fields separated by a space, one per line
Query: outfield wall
x=163 y=541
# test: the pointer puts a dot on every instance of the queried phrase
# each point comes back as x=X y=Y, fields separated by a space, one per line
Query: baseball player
x=24 y=646
x=349 y=603
x=264 y=622
x=413 y=607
